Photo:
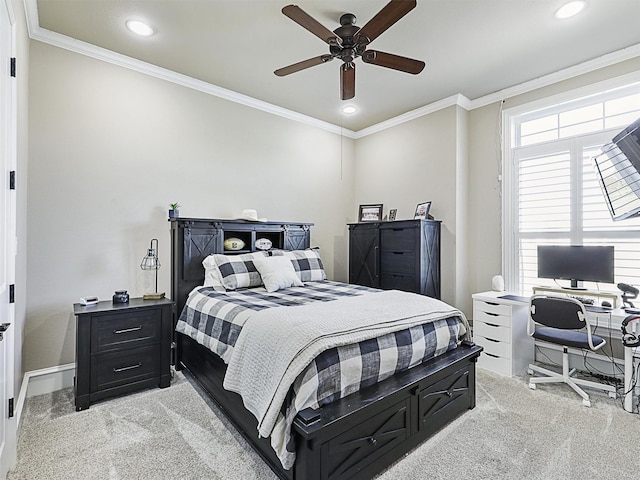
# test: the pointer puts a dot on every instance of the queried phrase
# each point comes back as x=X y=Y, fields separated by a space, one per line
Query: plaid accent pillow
x=234 y=271
x=306 y=263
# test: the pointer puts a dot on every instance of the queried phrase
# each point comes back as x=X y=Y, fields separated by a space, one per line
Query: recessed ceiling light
x=570 y=9
x=140 y=28
x=349 y=109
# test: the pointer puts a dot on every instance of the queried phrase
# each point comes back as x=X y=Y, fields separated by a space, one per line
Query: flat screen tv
x=628 y=140
x=576 y=263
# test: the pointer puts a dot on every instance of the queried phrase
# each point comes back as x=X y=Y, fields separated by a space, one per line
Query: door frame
x=8 y=144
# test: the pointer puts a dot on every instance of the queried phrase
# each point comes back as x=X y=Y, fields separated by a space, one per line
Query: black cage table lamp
x=151 y=262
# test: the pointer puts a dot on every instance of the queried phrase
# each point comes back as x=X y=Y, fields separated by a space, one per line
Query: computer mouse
x=606 y=304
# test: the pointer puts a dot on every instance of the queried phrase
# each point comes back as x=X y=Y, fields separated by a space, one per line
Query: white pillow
x=212 y=275
x=277 y=273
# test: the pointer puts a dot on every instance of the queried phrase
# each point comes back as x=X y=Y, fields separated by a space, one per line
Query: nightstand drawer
x=121 y=368
x=499 y=333
x=122 y=330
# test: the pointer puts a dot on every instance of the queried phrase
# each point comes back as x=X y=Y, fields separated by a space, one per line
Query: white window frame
x=510 y=248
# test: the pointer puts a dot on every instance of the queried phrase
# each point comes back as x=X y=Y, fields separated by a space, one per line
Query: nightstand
x=121 y=348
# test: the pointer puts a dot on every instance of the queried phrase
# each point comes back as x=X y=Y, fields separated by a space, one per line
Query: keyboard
x=584 y=300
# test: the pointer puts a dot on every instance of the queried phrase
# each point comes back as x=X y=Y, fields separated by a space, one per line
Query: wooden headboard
x=193 y=239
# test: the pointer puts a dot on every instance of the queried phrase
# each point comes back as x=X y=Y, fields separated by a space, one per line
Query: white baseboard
x=45 y=380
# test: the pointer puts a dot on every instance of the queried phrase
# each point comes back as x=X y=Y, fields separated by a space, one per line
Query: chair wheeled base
x=567 y=377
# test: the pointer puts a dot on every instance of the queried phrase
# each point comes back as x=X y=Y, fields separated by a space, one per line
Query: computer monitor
x=576 y=263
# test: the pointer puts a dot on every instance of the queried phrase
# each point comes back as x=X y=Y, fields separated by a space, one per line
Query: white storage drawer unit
x=500 y=327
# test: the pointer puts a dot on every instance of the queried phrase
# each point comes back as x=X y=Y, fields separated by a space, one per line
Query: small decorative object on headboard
x=233 y=244
x=174 y=211
x=263 y=244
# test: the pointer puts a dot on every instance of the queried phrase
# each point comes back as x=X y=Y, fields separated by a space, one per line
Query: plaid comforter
x=215 y=320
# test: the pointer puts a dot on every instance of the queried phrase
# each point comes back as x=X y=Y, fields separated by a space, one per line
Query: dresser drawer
x=493 y=347
x=122 y=330
x=494 y=363
x=120 y=368
x=492 y=318
x=397 y=262
x=407 y=283
x=398 y=239
x=489 y=307
x=499 y=333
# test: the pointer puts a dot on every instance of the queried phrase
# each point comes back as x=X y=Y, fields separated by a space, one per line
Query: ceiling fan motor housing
x=352 y=46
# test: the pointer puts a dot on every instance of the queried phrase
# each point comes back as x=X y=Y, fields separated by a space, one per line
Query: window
x=553 y=195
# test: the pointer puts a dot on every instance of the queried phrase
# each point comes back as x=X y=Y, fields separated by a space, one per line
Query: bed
x=354 y=429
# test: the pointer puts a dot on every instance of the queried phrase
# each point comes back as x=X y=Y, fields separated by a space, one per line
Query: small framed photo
x=392 y=214
x=370 y=213
x=422 y=211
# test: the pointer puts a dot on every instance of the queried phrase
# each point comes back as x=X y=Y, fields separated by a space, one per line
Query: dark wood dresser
x=121 y=348
x=400 y=255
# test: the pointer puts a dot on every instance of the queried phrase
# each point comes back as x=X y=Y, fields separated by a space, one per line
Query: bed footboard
x=360 y=435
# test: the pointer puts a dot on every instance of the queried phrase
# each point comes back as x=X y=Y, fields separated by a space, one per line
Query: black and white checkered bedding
x=214 y=320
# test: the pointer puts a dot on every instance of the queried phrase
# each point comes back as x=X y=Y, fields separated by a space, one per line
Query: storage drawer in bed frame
x=362 y=434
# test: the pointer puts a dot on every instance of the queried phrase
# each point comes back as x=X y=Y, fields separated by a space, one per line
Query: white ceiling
x=471 y=47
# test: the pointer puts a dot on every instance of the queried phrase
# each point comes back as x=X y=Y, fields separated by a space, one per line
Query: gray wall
x=111 y=148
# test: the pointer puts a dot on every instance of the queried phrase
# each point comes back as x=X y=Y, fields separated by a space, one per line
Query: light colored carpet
x=513 y=433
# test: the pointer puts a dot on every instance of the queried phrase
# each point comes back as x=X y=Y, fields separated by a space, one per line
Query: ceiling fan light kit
x=348 y=42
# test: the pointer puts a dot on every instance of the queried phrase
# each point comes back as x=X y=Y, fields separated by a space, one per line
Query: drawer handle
x=492 y=314
x=492 y=340
x=493 y=325
x=491 y=303
x=372 y=440
x=130 y=367
x=398 y=253
x=127 y=330
x=492 y=355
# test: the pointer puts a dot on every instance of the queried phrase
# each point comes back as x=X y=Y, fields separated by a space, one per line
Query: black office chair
x=564 y=322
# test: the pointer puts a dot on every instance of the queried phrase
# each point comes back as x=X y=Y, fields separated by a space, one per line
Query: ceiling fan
x=349 y=42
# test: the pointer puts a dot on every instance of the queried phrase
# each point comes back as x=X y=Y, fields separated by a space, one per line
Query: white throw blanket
x=276 y=344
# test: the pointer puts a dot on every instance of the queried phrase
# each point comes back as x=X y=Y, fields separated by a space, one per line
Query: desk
x=500 y=326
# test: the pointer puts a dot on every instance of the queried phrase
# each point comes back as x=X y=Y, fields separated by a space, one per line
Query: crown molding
x=458 y=99
x=99 y=53
x=565 y=74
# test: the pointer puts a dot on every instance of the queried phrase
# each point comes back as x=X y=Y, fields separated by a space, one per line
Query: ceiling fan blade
x=395 y=62
x=307 y=22
x=296 y=67
x=347 y=81
x=390 y=14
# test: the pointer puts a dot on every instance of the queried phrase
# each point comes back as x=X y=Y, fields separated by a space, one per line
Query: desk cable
x=616 y=370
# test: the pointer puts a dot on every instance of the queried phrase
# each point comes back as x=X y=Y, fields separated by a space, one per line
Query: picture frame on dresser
x=422 y=211
x=370 y=212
